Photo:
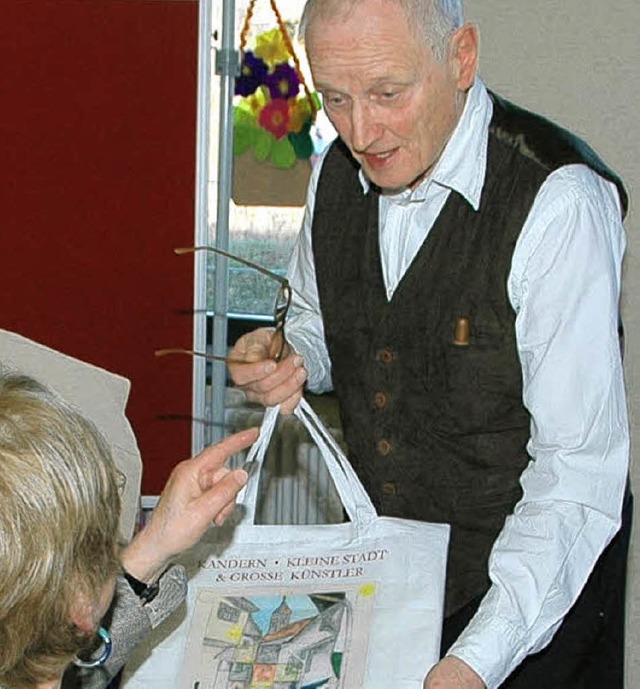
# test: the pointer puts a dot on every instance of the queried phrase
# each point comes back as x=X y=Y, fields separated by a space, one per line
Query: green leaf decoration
x=302 y=143
x=282 y=154
x=317 y=101
x=243 y=138
x=263 y=143
x=243 y=115
x=245 y=125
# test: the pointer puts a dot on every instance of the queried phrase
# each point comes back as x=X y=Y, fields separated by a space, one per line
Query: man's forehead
x=362 y=81
x=367 y=66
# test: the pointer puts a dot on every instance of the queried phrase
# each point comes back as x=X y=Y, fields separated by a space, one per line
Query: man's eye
x=333 y=101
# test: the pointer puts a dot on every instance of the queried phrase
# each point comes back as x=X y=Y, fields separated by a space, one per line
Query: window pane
x=262 y=234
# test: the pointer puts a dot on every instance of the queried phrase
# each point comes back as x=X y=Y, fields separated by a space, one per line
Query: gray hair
x=432 y=21
x=59 y=507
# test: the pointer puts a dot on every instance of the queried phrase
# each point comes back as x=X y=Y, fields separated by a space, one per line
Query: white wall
x=578 y=62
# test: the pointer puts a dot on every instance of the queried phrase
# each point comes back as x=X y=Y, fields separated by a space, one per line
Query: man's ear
x=465 y=46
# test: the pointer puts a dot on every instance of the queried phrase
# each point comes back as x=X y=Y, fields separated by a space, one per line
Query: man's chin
x=385 y=183
x=391 y=184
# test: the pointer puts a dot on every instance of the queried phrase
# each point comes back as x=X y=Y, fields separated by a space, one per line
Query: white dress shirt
x=564 y=286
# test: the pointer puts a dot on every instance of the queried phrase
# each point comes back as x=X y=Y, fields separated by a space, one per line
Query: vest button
x=384 y=355
x=381 y=400
x=389 y=488
x=384 y=447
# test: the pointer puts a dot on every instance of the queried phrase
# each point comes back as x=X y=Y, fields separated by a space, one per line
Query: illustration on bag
x=281 y=639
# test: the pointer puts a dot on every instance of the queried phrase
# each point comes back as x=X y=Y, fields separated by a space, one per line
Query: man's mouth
x=378 y=160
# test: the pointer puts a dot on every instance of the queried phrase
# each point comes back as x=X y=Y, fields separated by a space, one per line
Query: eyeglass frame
x=278 y=339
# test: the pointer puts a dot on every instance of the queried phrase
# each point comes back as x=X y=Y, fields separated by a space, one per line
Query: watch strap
x=145 y=592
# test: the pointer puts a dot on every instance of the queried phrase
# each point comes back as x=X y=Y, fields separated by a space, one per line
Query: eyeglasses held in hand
x=204 y=355
x=282 y=303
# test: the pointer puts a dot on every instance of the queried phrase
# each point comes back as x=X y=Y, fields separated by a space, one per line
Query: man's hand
x=199 y=492
x=262 y=379
x=452 y=673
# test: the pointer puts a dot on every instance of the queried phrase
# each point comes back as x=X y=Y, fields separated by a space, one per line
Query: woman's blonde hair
x=59 y=507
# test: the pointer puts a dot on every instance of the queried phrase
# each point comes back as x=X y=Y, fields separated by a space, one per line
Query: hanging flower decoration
x=273 y=115
x=272 y=48
x=253 y=72
x=283 y=82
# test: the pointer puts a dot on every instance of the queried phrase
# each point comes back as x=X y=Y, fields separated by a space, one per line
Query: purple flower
x=253 y=72
x=283 y=82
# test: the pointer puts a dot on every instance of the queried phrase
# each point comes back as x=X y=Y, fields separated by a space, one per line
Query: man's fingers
x=288 y=389
x=253 y=346
x=288 y=406
x=252 y=373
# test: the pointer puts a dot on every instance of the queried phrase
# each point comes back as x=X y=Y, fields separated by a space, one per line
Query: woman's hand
x=199 y=492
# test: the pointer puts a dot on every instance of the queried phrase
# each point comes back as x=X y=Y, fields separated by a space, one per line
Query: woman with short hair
x=60 y=560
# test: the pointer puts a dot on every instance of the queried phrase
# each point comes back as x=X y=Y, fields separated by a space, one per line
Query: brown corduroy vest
x=437 y=431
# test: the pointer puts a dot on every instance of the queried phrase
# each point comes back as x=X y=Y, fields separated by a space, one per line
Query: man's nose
x=364 y=129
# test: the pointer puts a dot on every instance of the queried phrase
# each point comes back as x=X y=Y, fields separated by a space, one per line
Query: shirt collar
x=463 y=163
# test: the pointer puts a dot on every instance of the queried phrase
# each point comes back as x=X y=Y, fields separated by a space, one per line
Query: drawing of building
x=303 y=652
x=280 y=617
x=236 y=654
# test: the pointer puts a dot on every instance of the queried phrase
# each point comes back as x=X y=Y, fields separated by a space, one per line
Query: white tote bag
x=356 y=605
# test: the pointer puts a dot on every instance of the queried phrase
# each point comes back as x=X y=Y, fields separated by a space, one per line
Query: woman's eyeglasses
x=281 y=308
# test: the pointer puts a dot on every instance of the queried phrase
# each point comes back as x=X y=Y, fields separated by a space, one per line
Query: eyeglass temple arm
x=233 y=257
x=191 y=352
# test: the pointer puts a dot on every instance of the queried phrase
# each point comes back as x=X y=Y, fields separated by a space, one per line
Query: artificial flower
x=282 y=154
x=262 y=144
x=302 y=142
x=245 y=125
x=253 y=72
x=255 y=102
x=271 y=47
x=274 y=117
x=299 y=113
x=283 y=82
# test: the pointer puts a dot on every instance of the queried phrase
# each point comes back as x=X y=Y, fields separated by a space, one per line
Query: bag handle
x=353 y=496
x=340 y=469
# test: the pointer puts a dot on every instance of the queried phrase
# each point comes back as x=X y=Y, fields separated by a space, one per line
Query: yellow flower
x=271 y=48
x=257 y=100
x=299 y=113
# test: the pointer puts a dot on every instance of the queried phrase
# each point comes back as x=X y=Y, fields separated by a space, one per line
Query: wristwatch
x=145 y=592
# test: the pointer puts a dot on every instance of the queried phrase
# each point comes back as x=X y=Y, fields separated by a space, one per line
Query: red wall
x=97 y=151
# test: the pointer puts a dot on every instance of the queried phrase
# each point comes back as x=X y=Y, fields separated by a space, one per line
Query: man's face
x=390 y=101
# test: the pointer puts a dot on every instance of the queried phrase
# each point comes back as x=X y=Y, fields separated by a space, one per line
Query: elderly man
x=456 y=282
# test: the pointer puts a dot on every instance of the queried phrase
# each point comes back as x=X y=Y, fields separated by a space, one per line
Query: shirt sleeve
x=565 y=288
x=305 y=329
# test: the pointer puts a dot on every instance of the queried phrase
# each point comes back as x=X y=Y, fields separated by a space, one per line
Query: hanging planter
x=273 y=115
